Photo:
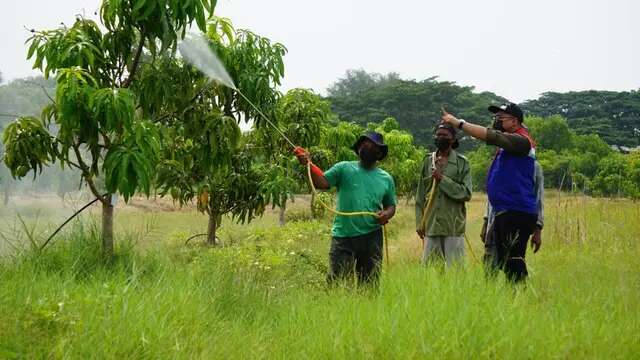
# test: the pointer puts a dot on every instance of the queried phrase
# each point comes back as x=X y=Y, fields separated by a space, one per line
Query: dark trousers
x=507 y=244
x=359 y=256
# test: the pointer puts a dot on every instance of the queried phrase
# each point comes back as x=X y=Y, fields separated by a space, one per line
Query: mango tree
x=337 y=139
x=206 y=158
x=405 y=158
x=300 y=115
x=99 y=131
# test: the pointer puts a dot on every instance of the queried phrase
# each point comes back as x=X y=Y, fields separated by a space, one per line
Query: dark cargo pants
x=506 y=243
x=359 y=256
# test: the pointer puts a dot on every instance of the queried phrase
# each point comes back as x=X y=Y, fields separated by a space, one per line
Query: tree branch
x=204 y=87
x=94 y=190
x=74 y=164
x=136 y=59
x=46 y=93
x=105 y=139
x=87 y=176
x=44 y=90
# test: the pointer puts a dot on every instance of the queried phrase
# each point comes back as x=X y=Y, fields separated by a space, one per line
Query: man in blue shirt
x=510 y=185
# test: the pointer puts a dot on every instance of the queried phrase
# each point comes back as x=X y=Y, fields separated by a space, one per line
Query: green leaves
x=28 y=146
x=113 y=109
x=302 y=113
x=220 y=30
x=74 y=90
x=126 y=169
x=278 y=185
x=129 y=165
x=222 y=137
x=79 y=46
x=160 y=21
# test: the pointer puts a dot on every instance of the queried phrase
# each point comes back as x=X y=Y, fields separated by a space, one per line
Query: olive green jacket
x=448 y=212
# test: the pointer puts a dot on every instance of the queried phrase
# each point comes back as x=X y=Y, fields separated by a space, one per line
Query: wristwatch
x=461 y=123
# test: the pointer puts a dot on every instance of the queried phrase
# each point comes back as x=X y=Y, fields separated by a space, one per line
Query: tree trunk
x=313 y=199
x=107 y=227
x=281 y=218
x=213 y=227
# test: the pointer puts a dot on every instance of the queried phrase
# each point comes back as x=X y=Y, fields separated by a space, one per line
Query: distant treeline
x=364 y=97
x=571 y=161
x=573 y=131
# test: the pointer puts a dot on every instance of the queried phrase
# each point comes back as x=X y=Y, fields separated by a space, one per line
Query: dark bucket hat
x=377 y=139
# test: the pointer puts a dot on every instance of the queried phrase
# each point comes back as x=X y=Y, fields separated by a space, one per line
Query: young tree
x=206 y=158
x=405 y=158
x=300 y=114
x=95 y=106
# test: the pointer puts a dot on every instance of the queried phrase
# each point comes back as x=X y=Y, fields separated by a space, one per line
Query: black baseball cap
x=509 y=108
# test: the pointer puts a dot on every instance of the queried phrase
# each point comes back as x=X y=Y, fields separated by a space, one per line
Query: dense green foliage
x=301 y=115
x=403 y=161
x=363 y=97
x=369 y=97
x=571 y=162
x=614 y=116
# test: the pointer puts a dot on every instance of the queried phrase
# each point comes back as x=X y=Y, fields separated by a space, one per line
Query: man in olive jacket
x=442 y=228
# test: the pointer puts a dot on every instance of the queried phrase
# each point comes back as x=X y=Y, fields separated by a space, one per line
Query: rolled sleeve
x=512 y=143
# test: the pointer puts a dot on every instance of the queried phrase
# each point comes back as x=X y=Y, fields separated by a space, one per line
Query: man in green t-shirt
x=362 y=186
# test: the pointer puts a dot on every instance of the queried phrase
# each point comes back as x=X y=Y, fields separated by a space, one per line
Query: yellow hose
x=427 y=209
x=342 y=213
x=471 y=249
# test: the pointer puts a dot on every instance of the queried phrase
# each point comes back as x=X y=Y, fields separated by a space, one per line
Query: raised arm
x=317 y=176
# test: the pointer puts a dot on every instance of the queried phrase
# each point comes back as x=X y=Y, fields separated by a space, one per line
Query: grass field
x=263 y=295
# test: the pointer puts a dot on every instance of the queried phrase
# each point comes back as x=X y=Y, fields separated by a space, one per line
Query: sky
x=515 y=48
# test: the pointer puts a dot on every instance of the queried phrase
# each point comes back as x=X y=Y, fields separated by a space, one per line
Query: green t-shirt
x=359 y=189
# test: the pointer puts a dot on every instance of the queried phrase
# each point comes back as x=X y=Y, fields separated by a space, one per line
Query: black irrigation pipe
x=198 y=235
x=193 y=237
x=67 y=221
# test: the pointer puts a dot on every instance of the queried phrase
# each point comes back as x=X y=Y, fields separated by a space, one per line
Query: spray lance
x=195 y=50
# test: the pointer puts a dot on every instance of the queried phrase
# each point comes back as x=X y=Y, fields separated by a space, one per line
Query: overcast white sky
x=516 y=48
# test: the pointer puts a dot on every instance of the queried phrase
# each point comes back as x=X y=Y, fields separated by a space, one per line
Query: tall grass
x=263 y=296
